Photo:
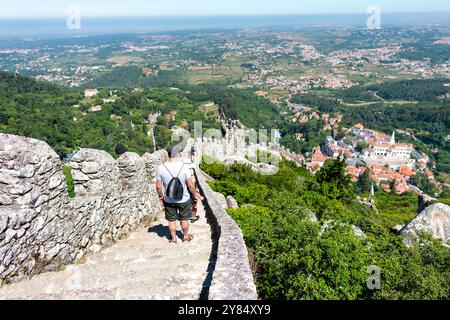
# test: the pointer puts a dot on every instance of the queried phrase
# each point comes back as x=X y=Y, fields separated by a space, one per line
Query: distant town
x=277 y=62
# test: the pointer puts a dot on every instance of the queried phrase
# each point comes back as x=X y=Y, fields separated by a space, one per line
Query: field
x=442 y=40
x=198 y=75
x=123 y=60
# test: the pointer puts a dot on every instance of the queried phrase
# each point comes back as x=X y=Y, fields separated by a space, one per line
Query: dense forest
x=424 y=50
x=62 y=116
x=296 y=258
x=253 y=111
x=405 y=90
x=413 y=90
x=133 y=76
x=324 y=104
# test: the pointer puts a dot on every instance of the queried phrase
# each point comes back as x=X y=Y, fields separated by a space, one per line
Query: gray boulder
x=311 y=216
x=358 y=232
x=232 y=203
x=330 y=224
x=221 y=199
x=434 y=219
x=397 y=229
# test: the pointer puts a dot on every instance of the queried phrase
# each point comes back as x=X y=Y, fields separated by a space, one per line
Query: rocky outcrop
x=41 y=228
x=424 y=201
x=310 y=215
x=434 y=219
x=358 y=232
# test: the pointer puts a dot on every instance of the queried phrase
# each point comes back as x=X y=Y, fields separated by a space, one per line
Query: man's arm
x=159 y=188
x=193 y=189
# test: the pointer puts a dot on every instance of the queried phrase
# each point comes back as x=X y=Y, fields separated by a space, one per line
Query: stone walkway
x=143 y=266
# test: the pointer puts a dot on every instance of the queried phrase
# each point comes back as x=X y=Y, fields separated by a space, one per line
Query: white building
x=89 y=93
x=390 y=150
x=389 y=153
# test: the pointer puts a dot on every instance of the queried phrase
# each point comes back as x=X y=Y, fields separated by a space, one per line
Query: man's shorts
x=172 y=210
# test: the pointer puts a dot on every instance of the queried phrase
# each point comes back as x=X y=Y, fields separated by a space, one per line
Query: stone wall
x=41 y=228
x=230 y=276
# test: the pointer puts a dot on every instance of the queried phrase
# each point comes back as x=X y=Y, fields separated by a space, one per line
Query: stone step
x=199 y=241
x=143 y=266
x=175 y=253
x=143 y=290
x=150 y=281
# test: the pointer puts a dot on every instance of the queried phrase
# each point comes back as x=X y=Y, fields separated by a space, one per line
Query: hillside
x=253 y=111
x=117 y=121
x=295 y=256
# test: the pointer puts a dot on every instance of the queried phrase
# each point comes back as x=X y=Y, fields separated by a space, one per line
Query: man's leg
x=194 y=210
x=173 y=230
x=171 y=216
x=185 y=228
x=185 y=214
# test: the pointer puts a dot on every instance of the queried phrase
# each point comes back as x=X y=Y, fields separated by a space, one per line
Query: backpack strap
x=180 y=170
x=168 y=170
x=171 y=172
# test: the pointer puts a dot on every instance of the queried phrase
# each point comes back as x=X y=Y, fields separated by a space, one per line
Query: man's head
x=174 y=150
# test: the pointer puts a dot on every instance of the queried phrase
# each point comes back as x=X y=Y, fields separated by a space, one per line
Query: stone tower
x=393 y=138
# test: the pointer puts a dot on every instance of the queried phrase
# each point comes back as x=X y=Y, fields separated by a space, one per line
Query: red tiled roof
x=405 y=170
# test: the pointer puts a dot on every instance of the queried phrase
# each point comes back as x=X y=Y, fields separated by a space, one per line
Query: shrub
x=69 y=180
x=297 y=259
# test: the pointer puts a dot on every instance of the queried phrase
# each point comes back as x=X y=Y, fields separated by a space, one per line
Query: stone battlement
x=231 y=276
x=41 y=228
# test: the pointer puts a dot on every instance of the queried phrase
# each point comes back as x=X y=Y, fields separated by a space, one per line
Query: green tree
x=365 y=182
x=333 y=180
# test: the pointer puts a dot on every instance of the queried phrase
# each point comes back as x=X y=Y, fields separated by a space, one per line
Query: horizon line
x=223 y=15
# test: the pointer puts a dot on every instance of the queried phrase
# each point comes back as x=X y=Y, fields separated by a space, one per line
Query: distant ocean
x=98 y=26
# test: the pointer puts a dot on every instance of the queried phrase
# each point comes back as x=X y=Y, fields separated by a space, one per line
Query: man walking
x=175 y=176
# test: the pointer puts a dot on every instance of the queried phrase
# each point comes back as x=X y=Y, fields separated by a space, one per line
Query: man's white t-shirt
x=171 y=170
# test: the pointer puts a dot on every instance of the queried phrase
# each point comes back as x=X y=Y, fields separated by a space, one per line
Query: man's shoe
x=194 y=220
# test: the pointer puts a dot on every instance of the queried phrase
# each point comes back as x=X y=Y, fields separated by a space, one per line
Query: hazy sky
x=100 y=8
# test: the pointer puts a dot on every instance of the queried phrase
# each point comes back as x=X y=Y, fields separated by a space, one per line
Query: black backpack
x=175 y=188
